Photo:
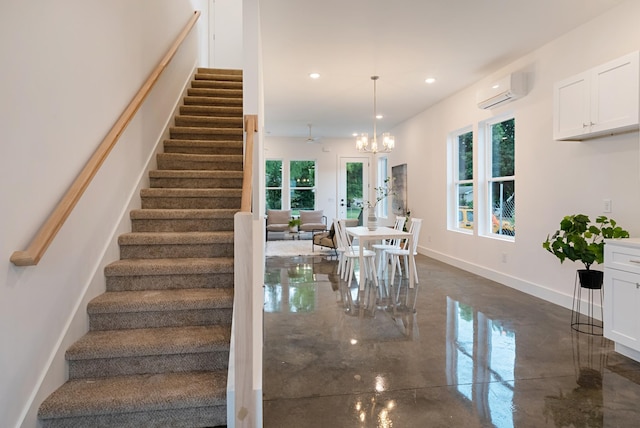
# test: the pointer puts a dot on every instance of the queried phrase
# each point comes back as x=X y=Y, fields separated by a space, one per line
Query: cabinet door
x=621 y=319
x=571 y=107
x=615 y=95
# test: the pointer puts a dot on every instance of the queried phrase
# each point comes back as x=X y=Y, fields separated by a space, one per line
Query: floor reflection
x=480 y=362
x=457 y=351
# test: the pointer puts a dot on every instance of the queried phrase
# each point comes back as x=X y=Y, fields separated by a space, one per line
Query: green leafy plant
x=294 y=222
x=580 y=240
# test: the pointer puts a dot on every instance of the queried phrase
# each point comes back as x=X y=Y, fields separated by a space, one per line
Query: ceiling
x=458 y=42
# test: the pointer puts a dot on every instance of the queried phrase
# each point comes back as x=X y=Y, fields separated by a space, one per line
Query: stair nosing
x=176 y=238
x=142 y=301
x=176 y=266
x=100 y=396
x=157 y=341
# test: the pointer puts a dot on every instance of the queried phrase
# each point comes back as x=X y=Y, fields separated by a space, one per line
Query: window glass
x=302 y=183
x=273 y=184
x=462 y=179
x=502 y=183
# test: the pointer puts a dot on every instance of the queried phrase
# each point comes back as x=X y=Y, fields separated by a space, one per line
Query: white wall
x=68 y=70
x=327 y=154
x=220 y=33
x=554 y=178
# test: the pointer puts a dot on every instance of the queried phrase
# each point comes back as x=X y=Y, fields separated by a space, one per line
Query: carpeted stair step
x=209 y=121
x=206 y=110
x=149 y=351
x=160 y=245
x=197 y=133
x=160 y=308
x=212 y=101
x=187 y=161
x=215 y=93
x=195 y=179
x=185 y=220
x=190 y=198
x=161 y=274
x=204 y=147
x=232 y=73
x=215 y=83
x=186 y=399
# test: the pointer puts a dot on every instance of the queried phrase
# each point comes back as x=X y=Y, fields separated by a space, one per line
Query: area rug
x=290 y=248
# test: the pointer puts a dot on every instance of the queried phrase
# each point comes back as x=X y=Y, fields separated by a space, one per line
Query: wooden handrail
x=39 y=244
x=250 y=128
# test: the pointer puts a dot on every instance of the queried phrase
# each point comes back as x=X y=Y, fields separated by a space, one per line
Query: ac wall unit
x=507 y=89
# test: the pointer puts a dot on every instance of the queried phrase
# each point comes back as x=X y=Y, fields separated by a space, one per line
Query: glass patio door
x=353 y=183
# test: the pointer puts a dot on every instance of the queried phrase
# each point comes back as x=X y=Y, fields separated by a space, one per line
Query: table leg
x=361 y=261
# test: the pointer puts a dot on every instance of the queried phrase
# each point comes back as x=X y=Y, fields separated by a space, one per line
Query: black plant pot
x=591 y=278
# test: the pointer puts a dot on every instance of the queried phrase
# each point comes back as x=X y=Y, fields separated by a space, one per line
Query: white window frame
x=485 y=213
x=455 y=181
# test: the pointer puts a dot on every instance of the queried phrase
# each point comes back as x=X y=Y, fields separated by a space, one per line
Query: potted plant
x=293 y=224
x=381 y=193
x=580 y=240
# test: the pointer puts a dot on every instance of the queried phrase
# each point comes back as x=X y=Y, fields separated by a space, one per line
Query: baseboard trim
x=533 y=289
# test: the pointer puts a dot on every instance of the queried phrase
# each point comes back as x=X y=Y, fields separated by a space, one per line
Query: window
x=501 y=177
x=383 y=206
x=273 y=184
x=462 y=180
x=302 y=182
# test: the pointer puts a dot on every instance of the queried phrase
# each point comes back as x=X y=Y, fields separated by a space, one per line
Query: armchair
x=277 y=221
x=312 y=221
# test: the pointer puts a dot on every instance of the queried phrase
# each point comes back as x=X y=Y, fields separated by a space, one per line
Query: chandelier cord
x=375 y=111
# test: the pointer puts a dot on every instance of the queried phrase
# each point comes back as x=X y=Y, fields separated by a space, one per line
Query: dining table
x=366 y=236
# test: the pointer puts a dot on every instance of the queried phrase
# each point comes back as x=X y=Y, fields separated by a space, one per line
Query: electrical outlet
x=606 y=205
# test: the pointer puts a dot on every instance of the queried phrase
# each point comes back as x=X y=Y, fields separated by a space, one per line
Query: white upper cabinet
x=603 y=100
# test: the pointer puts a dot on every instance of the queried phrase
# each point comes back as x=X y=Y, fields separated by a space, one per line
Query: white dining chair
x=351 y=254
x=340 y=249
x=389 y=244
x=404 y=252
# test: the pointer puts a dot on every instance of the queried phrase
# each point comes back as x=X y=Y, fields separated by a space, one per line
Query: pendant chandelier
x=362 y=142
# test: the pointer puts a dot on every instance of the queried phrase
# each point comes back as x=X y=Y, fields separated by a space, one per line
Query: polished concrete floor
x=473 y=353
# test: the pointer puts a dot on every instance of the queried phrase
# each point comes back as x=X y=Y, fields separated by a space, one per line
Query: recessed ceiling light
x=429 y=80
x=379 y=116
x=314 y=75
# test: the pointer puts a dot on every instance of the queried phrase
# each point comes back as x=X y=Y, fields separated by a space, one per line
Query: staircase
x=158 y=347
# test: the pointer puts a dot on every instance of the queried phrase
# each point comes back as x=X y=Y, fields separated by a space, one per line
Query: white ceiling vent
x=507 y=89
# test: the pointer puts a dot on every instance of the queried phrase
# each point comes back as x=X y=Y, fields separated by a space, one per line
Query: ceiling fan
x=310 y=139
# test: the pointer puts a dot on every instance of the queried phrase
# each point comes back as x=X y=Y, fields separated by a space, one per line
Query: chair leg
x=406 y=265
x=372 y=269
x=350 y=263
x=393 y=269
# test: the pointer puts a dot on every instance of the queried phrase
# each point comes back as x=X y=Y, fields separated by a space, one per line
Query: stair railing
x=243 y=390
x=250 y=128
x=39 y=244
